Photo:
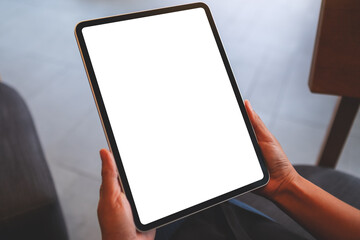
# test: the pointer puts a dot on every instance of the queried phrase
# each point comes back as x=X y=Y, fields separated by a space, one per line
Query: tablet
x=171 y=111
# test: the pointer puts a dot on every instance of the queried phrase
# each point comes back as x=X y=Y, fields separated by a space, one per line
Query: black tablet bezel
x=110 y=136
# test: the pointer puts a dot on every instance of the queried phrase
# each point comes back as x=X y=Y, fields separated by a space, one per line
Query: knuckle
x=108 y=173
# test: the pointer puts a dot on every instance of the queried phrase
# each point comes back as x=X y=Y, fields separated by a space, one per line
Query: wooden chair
x=336 y=70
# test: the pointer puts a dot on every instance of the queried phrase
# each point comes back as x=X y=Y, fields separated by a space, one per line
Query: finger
x=261 y=131
x=109 y=174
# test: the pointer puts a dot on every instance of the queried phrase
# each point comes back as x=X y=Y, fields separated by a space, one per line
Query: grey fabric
x=29 y=207
x=341 y=185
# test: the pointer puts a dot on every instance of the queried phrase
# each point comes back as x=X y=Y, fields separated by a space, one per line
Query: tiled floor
x=269 y=45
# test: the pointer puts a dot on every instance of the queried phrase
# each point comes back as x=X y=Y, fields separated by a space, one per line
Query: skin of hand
x=114 y=212
x=322 y=214
x=280 y=169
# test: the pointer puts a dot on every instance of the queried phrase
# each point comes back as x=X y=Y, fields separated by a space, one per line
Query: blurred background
x=269 y=45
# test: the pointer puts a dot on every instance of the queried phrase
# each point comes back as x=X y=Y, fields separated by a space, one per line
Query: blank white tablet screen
x=174 y=115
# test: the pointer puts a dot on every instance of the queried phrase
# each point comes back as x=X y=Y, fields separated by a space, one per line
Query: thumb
x=261 y=131
x=109 y=174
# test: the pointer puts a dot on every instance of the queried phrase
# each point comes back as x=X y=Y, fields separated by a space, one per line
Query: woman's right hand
x=280 y=169
x=310 y=206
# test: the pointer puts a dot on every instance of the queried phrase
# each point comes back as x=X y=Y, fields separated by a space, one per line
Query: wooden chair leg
x=338 y=130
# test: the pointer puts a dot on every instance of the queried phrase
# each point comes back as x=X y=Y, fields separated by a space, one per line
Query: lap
x=225 y=221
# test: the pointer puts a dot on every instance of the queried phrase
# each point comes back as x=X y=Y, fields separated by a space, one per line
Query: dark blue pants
x=233 y=220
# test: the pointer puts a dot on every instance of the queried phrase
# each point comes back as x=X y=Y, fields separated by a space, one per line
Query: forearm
x=322 y=214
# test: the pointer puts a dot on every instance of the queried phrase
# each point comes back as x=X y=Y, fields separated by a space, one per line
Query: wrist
x=288 y=189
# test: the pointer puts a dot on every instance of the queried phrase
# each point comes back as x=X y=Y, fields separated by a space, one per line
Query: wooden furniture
x=336 y=70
